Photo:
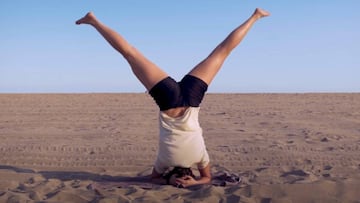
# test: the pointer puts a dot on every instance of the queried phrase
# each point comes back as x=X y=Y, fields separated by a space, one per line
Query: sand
x=100 y=147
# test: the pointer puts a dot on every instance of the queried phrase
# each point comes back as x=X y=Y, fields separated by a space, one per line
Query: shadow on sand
x=78 y=175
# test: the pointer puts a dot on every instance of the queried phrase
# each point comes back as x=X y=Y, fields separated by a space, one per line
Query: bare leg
x=147 y=72
x=207 y=69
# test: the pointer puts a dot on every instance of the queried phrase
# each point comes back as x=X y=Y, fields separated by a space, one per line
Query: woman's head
x=179 y=172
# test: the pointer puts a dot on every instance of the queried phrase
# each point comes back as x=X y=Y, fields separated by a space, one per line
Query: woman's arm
x=157 y=178
x=205 y=178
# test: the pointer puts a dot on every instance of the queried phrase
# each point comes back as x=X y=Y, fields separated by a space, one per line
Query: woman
x=181 y=143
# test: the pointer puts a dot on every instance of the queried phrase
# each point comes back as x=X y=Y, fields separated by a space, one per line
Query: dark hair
x=179 y=173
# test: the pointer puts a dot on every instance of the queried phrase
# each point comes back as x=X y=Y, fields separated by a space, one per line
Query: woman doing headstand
x=181 y=143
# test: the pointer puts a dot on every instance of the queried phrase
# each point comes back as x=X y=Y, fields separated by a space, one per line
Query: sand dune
x=101 y=147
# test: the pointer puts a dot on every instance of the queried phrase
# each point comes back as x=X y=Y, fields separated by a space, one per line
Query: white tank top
x=181 y=142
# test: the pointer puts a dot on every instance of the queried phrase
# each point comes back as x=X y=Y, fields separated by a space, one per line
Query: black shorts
x=171 y=94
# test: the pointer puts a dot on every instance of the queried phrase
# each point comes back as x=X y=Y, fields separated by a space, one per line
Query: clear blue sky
x=305 y=46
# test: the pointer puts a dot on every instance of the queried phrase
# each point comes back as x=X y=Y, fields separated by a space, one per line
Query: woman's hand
x=172 y=180
x=186 y=181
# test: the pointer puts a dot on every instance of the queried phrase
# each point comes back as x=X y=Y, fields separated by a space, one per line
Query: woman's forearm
x=203 y=180
x=191 y=181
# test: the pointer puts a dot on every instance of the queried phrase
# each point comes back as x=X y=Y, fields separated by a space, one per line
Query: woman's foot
x=89 y=18
x=260 y=13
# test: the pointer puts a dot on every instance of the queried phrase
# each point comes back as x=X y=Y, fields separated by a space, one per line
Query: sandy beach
x=100 y=148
